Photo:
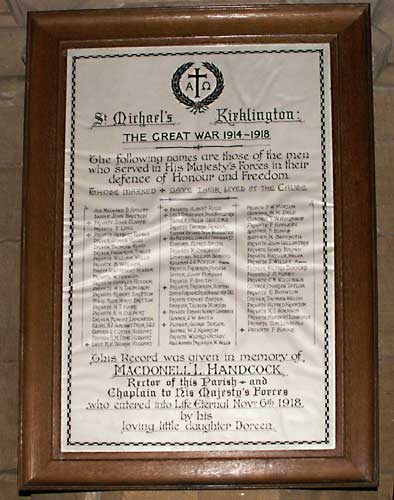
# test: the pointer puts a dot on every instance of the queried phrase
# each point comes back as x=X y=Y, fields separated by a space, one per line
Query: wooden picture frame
x=352 y=461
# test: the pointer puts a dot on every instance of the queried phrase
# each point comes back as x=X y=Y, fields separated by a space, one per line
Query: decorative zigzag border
x=325 y=238
x=325 y=257
x=71 y=252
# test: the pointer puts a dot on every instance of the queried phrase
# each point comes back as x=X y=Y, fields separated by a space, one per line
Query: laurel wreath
x=197 y=106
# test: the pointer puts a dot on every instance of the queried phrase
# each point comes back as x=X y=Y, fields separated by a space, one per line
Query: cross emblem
x=197 y=76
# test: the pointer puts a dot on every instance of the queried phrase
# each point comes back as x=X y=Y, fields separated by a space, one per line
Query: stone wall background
x=12 y=76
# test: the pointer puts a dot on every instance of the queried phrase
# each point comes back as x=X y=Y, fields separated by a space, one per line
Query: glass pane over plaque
x=198 y=278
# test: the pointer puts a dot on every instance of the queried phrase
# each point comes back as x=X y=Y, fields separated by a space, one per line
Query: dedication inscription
x=198 y=278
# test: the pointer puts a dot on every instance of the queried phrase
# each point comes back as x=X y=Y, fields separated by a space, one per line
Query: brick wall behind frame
x=12 y=43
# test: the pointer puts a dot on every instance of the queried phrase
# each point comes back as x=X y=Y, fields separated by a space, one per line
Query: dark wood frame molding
x=354 y=460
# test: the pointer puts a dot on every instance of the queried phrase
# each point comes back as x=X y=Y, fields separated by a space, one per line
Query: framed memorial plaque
x=199 y=252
